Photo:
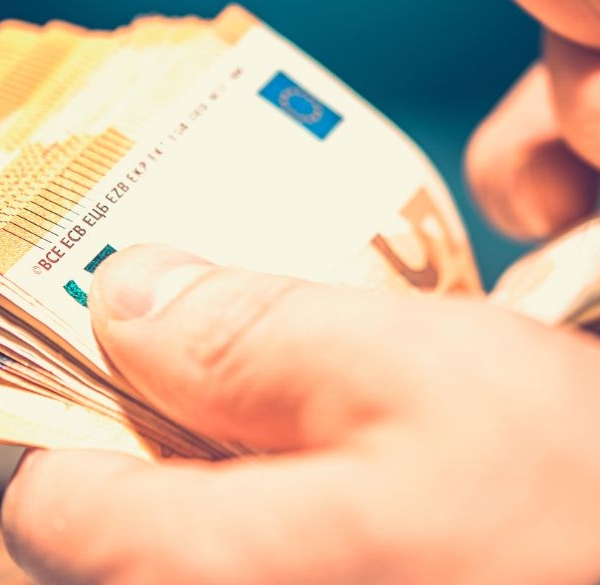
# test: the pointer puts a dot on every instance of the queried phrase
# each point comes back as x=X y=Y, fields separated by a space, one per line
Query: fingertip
x=548 y=192
x=497 y=150
x=43 y=476
x=487 y=186
x=123 y=286
x=525 y=179
x=46 y=497
x=22 y=525
x=492 y=167
x=112 y=269
x=133 y=284
x=12 y=508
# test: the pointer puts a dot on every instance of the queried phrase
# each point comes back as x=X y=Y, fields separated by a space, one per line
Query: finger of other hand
x=525 y=178
x=578 y=20
x=94 y=517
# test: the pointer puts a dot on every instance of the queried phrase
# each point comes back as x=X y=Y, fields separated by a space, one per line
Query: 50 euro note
x=560 y=282
x=251 y=155
x=48 y=168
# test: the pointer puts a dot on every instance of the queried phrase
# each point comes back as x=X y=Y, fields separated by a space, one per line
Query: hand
x=412 y=441
x=534 y=163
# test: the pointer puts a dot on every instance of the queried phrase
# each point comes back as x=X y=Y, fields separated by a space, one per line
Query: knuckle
x=240 y=302
x=241 y=312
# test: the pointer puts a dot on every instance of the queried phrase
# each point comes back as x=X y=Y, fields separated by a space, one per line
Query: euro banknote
x=220 y=137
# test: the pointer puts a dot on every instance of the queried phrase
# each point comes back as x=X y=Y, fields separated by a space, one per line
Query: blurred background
x=434 y=67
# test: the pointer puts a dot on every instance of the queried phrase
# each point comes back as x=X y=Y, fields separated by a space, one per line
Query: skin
x=412 y=441
x=533 y=164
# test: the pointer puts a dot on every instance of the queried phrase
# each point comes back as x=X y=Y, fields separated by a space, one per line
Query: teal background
x=434 y=67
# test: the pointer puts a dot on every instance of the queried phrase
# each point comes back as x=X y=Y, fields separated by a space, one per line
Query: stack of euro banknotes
x=220 y=137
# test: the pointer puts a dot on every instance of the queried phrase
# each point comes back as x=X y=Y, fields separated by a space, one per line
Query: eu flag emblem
x=299 y=104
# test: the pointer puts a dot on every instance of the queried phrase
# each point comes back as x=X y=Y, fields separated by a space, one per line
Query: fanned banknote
x=220 y=137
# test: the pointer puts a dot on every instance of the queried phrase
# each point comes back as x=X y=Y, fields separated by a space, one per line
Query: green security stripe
x=76 y=293
x=107 y=251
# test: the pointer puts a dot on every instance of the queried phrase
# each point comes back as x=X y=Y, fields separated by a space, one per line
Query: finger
x=272 y=362
x=93 y=517
x=575 y=77
x=578 y=20
x=527 y=181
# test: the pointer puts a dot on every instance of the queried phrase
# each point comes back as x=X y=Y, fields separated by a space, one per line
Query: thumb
x=272 y=362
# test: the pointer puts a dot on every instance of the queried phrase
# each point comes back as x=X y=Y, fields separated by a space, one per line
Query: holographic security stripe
x=74 y=290
x=101 y=257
